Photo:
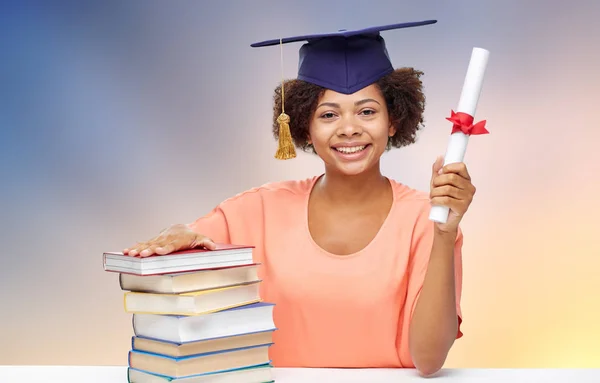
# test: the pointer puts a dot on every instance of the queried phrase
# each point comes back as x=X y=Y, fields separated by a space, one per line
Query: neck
x=341 y=188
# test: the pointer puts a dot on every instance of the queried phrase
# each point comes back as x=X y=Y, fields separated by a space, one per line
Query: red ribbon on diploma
x=463 y=122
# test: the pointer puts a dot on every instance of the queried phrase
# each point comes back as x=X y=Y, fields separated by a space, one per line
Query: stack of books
x=197 y=316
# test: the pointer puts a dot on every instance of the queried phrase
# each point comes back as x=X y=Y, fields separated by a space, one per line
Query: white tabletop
x=118 y=374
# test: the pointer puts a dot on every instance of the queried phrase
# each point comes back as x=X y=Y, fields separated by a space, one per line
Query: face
x=350 y=131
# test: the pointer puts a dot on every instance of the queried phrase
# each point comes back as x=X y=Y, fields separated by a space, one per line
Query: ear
x=391 y=130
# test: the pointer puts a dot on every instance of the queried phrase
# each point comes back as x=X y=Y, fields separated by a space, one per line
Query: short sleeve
x=238 y=220
x=421 y=251
x=213 y=225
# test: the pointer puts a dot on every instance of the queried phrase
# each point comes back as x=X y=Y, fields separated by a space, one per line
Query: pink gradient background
x=120 y=118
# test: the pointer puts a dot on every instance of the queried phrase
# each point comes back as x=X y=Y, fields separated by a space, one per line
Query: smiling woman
x=359 y=275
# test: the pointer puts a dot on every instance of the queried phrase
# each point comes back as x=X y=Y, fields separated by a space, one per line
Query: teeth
x=351 y=149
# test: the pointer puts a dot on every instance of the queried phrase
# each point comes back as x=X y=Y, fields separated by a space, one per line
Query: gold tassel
x=286 y=148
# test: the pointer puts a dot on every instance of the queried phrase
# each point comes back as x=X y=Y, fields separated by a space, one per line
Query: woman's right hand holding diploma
x=451 y=186
x=174 y=238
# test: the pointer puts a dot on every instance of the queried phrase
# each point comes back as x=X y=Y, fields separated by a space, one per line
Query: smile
x=350 y=149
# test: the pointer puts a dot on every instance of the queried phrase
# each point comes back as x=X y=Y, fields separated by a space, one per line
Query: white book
x=192 y=303
x=182 y=329
x=181 y=261
x=258 y=374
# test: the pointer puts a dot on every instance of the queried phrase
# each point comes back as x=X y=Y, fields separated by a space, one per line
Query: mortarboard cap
x=342 y=61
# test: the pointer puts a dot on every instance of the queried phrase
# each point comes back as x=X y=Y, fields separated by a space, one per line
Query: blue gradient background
x=119 y=118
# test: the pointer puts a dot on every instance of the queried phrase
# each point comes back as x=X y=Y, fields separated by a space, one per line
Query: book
x=192 y=303
x=201 y=363
x=177 y=350
x=180 y=261
x=197 y=316
x=256 y=374
x=246 y=319
x=190 y=281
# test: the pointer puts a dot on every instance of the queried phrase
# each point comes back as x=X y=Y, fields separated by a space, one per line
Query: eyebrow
x=357 y=103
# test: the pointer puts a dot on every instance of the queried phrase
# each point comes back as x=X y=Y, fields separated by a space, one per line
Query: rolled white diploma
x=469 y=98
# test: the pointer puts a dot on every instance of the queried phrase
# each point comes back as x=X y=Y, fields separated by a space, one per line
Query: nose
x=349 y=127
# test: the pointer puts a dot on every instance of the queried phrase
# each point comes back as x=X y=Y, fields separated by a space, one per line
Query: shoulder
x=290 y=187
x=413 y=208
x=409 y=199
x=273 y=191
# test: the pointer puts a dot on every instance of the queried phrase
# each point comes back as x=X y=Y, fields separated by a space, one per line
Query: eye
x=368 y=112
x=327 y=115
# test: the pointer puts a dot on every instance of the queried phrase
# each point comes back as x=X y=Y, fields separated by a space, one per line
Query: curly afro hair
x=402 y=90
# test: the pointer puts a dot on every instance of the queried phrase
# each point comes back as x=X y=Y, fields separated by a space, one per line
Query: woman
x=359 y=274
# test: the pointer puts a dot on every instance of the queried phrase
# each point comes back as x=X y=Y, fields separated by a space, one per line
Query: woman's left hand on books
x=451 y=186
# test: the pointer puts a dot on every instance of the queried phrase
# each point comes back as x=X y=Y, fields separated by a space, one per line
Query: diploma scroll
x=463 y=120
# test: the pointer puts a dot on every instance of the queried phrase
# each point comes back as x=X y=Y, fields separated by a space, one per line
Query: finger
x=452 y=179
x=159 y=241
x=203 y=241
x=449 y=191
x=458 y=206
x=175 y=244
x=179 y=243
x=436 y=168
x=437 y=165
x=150 y=250
x=459 y=168
x=135 y=250
x=178 y=238
x=165 y=249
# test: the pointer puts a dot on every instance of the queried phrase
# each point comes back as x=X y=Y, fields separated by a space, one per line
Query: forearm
x=434 y=322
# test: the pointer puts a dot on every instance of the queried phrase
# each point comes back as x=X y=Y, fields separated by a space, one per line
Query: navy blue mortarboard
x=342 y=61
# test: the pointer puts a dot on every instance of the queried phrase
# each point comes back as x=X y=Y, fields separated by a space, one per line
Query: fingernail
x=144 y=253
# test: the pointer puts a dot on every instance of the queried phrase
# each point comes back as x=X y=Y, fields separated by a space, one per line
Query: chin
x=352 y=169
